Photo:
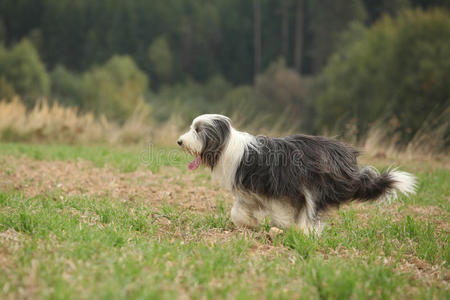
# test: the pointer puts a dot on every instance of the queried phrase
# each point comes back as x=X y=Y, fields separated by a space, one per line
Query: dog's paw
x=273 y=232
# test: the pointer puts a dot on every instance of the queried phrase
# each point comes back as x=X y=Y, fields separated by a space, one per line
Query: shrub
x=66 y=87
x=281 y=94
x=23 y=73
x=398 y=71
x=240 y=103
x=6 y=89
x=114 y=89
x=189 y=99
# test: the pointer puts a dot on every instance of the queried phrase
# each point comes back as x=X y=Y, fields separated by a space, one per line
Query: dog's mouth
x=193 y=165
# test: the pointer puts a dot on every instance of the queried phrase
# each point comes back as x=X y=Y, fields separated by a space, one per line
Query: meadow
x=102 y=222
x=96 y=199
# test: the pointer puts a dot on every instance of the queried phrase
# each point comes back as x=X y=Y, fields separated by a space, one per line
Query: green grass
x=433 y=189
x=381 y=237
x=126 y=160
x=54 y=246
x=84 y=248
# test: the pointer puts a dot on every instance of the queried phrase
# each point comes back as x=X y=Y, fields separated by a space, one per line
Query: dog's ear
x=222 y=126
x=215 y=135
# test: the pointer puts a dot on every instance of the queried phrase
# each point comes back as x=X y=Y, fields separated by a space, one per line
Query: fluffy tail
x=374 y=185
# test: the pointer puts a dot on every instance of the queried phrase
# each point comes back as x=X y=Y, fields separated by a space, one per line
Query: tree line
x=200 y=38
x=323 y=59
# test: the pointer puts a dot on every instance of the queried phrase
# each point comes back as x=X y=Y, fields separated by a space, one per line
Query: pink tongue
x=193 y=165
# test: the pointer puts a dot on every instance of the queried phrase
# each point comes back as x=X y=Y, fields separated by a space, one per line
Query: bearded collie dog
x=288 y=181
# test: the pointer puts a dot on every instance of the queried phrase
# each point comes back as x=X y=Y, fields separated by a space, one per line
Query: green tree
x=377 y=8
x=206 y=37
x=115 y=89
x=67 y=87
x=2 y=32
x=161 y=59
x=22 y=70
x=399 y=68
x=329 y=18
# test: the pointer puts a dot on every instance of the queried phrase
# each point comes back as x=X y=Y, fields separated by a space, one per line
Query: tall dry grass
x=430 y=141
x=58 y=124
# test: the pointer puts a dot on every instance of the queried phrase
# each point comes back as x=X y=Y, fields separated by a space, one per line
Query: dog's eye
x=197 y=129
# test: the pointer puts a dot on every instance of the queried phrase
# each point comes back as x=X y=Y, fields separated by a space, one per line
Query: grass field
x=102 y=223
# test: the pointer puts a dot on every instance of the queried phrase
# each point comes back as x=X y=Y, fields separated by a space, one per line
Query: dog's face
x=206 y=139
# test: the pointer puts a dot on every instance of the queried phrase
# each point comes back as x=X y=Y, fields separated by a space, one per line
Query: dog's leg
x=307 y=219
x=242 y=216
x=309 y=226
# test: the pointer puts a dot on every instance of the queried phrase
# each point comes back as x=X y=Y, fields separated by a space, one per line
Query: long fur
x=290 y=179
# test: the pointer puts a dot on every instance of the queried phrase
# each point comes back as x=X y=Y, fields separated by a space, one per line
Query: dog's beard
x=195 y=163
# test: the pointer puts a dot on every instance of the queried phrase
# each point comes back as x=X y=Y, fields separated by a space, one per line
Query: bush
x=281 y=91
x=397 y=71
x=276 y=103
x=6 y=89
x=23 y=73
x=281 y=85
x=67 y=87
x=189 y=99
x=240 y=103
x=115 y=89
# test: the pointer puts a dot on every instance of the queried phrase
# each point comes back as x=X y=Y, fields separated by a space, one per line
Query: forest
x=319 y=66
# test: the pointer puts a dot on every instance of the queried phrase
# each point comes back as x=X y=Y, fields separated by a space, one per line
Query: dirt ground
x=187 y=190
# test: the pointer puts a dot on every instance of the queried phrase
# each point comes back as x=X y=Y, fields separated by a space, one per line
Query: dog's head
x=206 y=139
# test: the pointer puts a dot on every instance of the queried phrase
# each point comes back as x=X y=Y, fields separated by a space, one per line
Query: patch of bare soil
x=410 y=265
x=424 y=271
x=70 y=178
x=10 y=241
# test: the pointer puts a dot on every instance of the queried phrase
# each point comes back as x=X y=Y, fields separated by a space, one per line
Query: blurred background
x=371 y=72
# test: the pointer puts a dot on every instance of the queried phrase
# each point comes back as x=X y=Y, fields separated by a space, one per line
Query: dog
x=287 y=181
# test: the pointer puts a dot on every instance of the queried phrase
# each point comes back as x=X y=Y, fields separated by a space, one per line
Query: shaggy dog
x=288 y=180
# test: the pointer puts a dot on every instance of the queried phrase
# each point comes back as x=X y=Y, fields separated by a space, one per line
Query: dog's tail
x=374 y=185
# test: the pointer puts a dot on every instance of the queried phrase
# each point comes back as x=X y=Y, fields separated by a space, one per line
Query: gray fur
x=283 y=168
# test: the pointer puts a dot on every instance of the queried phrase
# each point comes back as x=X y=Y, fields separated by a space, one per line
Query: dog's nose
x=180 y=142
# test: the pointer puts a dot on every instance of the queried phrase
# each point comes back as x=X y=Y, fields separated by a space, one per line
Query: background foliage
x=398 y=68
x=292 y=64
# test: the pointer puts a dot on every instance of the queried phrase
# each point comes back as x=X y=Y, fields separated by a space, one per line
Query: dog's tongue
x=193 y=165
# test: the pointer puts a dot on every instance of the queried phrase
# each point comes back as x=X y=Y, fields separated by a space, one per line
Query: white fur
x=191 y=141
x=405 y=183
x=305 y=221
x=240 y=216
x=208 y=118
x=280 y=214
x=244 y=213
x=225 y=170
